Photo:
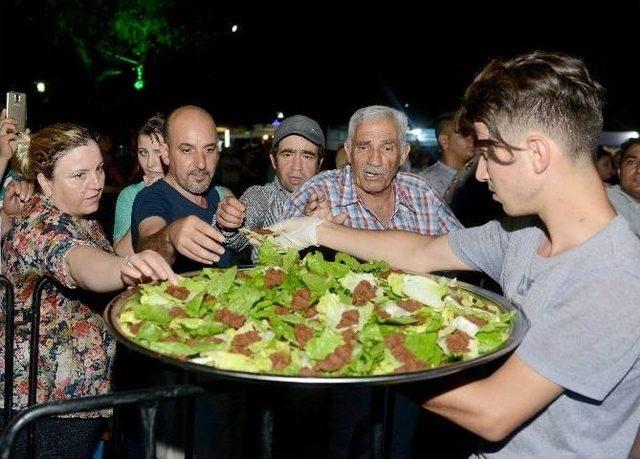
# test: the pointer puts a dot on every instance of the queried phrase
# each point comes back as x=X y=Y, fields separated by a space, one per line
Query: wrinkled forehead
x=377 y=127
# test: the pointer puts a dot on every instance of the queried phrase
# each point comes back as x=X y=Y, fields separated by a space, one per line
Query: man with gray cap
x=296 y=156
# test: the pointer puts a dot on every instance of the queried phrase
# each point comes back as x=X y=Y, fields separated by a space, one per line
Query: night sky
x=309 y=57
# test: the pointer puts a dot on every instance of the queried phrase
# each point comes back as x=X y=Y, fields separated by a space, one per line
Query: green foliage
x=113 y=33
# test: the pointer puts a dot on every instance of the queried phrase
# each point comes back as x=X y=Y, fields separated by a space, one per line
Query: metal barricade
x=34 y=340
x=34 y=318
x=9 y=331
x=147 y=399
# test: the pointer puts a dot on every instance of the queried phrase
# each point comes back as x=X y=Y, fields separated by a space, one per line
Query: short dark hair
x=601 y=152
x=625 y=147
x=154 y=127
x=442 y=121
x=547 y=90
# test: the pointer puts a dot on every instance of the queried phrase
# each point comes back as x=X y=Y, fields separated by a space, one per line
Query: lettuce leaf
x=425 y=347
x=320 y=346
x=152 y=311
x=241 y=299
x=220 y=280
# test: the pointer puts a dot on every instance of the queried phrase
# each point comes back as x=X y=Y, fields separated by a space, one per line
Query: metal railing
x=147 y=399
x=8 y=305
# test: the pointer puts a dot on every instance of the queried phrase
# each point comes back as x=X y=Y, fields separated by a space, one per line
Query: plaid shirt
x=265 y=205
x=417 y=207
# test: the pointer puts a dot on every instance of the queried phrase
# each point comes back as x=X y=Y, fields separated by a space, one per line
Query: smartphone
x=17 y=109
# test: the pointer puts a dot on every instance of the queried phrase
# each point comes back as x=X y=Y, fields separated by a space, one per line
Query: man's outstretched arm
x=189 y=236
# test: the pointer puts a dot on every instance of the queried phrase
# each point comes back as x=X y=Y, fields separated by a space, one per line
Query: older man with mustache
x=174 y=214
x=370 y=193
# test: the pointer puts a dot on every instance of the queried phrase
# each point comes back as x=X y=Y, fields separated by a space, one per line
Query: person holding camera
x=14 y=193
x=53 y=236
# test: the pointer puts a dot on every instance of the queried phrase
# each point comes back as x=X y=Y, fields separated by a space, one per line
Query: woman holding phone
x=54 y=236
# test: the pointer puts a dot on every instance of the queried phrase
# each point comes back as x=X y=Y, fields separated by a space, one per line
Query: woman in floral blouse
x=54 y=237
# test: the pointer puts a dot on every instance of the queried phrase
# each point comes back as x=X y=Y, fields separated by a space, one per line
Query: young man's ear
x=164 y=153
x=540 y=147
x=45 y=184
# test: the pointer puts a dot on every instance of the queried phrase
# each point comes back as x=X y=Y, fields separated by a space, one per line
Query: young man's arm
x=401 y=249
x=495 y=406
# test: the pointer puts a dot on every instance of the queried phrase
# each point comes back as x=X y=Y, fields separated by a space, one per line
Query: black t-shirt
x=164 y=201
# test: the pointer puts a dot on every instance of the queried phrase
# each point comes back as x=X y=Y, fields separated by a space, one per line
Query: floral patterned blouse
x=76 y=350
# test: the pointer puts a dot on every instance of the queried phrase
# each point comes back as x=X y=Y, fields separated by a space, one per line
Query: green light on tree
x=139 y=84
x=109 y=33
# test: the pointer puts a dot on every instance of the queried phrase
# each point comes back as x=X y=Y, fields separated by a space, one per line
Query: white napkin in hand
x=297 y=232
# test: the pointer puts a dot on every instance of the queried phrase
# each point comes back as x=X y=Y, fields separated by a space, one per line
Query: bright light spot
x=234 y=28
x=280 y=115
x=633 y=134
x=40 y=86
x=406 y=105
x=265 y=137
x=139 y=84
x=420 y=134
x=227 y=138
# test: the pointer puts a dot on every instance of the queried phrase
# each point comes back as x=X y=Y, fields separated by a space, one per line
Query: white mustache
x=378 y=170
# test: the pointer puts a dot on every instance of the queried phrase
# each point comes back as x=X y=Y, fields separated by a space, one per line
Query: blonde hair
x=47 y=146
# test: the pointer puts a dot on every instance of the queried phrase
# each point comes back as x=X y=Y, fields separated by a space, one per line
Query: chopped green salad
x=314 y=317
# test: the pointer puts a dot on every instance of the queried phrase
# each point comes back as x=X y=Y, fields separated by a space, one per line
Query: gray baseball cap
x=302 y=126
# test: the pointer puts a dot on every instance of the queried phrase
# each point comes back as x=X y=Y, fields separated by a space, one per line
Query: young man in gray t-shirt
x=572 y=388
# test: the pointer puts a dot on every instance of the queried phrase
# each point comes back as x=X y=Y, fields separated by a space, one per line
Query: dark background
x=311 y=57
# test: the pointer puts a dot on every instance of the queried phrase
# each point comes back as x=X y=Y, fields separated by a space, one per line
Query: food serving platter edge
x=519 y=327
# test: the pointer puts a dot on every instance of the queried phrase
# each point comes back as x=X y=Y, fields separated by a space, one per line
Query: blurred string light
x=280 y=115
x=234 y=28
x=139 y=84
x=40 y=86
x=422 y=135
x=265 y=137
x=227 y=138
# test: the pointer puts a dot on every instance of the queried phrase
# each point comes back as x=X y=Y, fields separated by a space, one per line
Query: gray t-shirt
x=584 y=310
x=626 y=206
x=439 y=176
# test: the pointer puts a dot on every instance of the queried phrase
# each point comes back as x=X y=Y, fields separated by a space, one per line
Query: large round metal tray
x=520 y=325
